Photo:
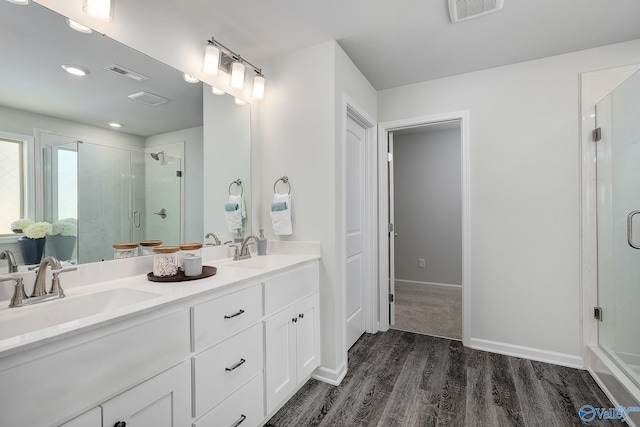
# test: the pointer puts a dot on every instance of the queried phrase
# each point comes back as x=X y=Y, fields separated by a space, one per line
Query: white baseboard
x=415 y=282
x=528 y=353
x=330 y=376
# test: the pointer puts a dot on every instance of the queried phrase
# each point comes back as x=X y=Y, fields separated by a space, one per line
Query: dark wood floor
x=403 y=379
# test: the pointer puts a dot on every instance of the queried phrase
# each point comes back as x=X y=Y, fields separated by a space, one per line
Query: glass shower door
x=618 y=219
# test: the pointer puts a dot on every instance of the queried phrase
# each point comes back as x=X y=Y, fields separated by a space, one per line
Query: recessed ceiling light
x=189 y=79
x=115 y=125
x=78 y=26
x=20 y=2
x=75 y=70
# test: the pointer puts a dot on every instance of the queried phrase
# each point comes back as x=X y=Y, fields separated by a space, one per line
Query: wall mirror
x=142 y=181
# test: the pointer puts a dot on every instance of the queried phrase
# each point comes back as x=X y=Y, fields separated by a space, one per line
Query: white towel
x=235 y=218
x=281 y=220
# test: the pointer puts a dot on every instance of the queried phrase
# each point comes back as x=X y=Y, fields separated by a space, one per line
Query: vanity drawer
x=244 y=408
x=222 y=369
x=290 y=287
x=215 y=320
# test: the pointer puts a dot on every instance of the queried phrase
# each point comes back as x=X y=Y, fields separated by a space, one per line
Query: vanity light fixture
x=189 y=79
x=20 y=2
x=217 y=91
x=98 y=9
x=76 y=70
x=78 y=26
x=219 y=57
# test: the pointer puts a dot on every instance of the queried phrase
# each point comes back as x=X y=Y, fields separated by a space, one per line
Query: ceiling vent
x=461 y=10
x=148 y=98
x=126 y=73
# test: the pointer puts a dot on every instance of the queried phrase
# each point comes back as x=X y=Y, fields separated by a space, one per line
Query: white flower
x=65 y=227
x=38 y=230
x=20 y=225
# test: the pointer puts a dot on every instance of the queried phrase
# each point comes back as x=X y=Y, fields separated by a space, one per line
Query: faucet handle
x=19 y=295
x=55 y=281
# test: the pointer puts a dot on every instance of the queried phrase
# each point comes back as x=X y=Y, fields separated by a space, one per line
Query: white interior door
x=392 y=235
x=355 y=188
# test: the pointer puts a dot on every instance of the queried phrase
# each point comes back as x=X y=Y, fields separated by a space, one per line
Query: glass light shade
x=99 y=9
x=258 y=87
x=237 y=75
x=240 y=102
x=20 y=2
x=217 y=91
x=189 y=79
x=211 y=59
x=78 y=26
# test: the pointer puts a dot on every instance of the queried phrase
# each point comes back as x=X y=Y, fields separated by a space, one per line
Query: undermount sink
x=255 y=262
x=21 y=320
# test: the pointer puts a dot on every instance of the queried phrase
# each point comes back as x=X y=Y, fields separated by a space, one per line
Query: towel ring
x=237 y=182
x=284 y=179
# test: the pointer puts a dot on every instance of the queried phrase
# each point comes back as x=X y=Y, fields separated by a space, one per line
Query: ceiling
x=399 y=42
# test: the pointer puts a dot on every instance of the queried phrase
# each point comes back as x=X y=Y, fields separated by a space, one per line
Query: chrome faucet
x=39 y=287
x=11 y=260
x=244 y=249
x=215 y=238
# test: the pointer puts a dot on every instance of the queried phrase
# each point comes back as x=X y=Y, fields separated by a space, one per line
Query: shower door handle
x=136 y=219
x=630 y=229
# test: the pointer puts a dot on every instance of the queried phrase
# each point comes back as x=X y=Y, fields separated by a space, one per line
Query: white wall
x=428 y=206
x=301 y=129
x=525 y=194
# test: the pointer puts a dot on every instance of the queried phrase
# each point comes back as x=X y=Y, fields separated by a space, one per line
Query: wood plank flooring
x=399 y=378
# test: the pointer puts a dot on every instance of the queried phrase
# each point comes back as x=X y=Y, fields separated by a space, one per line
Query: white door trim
x=370 y=224
x=383 y=236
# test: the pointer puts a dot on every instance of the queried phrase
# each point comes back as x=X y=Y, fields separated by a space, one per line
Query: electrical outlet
x=421 y=263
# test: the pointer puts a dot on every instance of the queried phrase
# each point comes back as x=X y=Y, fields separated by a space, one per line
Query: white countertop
x=138 y=293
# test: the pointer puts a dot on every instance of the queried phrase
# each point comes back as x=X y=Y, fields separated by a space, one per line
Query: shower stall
x=616 y=350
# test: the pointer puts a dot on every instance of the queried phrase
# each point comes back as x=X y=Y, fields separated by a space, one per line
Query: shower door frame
x=594 y=87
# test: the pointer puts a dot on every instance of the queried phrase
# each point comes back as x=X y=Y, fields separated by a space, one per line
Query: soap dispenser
x=238 y=237
x=262 y=243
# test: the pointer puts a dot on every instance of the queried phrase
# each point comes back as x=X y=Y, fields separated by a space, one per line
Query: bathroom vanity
x=227 y=350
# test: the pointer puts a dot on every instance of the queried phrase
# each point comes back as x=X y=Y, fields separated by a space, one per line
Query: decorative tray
x=207 y=271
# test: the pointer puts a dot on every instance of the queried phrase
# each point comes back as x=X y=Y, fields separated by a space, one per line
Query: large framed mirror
x=164 y=174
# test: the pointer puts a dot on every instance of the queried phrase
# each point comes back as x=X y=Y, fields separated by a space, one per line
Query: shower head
x=156 y=156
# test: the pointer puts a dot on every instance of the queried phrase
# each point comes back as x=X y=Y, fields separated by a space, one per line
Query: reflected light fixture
x=98 y=9
x=76 y=70
x=217 y=91
x=258 y=86
x=189 y=79
x=78 y=26
x=20 y=2
x=219 y=57
x=211 y=58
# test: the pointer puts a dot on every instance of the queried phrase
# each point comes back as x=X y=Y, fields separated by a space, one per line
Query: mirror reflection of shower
x=159 y=156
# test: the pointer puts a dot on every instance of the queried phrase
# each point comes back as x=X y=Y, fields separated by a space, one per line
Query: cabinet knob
x=301 y=315
x=294 y=320
x=120 y=424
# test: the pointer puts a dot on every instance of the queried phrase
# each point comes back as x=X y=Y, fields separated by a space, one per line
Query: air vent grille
x=461 y=10
x=148 y=98
x=125 y=72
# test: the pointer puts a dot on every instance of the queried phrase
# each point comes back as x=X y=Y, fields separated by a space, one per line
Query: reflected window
x=12 y=185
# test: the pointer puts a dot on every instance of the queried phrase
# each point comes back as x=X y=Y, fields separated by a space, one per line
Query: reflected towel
x=230 y=207
x=281 y=219
x=278 y=206
x=235 y=217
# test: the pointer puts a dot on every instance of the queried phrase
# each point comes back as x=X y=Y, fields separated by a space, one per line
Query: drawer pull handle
x=237 y=423
x=236 y=366
x=234 y=314
x=294 y=320
x=301 y=315
x=120 y=424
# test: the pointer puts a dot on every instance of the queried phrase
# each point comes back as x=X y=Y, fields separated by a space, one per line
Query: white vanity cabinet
x=228 y=330
x=292 y=333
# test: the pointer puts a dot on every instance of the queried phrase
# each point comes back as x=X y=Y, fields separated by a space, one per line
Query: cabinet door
x=162 y=401
x=280 y=355
x=307 y=336
x=92 y=418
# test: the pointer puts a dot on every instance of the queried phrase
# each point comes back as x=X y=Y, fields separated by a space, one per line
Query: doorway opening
x=427 y=210
x=424 y=225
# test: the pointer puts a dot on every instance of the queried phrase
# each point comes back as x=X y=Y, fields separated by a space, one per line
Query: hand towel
x=230 y=207
x=281 y=218
x=235 y=217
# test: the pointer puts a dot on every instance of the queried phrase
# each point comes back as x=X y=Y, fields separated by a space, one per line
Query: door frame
x=384 y=129
x=370 y=217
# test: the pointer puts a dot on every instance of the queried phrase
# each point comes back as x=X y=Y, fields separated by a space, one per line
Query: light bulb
x=258 y=87
x=211 y=59
x=99 y=9
x=237 y=75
